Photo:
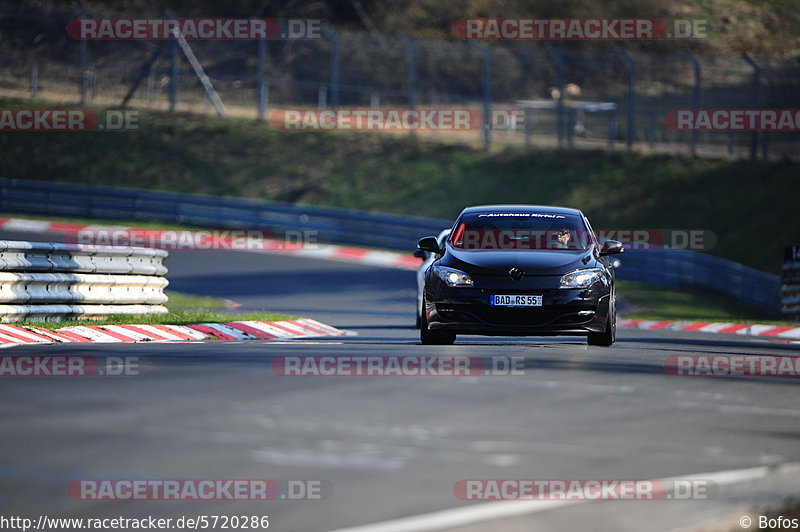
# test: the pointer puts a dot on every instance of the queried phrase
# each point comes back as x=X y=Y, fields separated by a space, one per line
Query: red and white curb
x=235 y=330
x=786 y=332
x=386 y=259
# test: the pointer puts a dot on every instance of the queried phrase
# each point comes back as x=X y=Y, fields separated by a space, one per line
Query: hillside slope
x=750 y=206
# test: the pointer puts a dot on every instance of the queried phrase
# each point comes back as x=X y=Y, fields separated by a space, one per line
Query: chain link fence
x=529 y=92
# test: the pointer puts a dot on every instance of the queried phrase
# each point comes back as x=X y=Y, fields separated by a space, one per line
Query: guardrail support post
x=34 y=80
x=486 y=91
x=208 y=87
x=559 y=59
x=146 y=71
x=630 y=66
x=570 y=129
x=84 y=61
x=698 y=79
x=411 y=79
x=528 y=126
x=612 y=129
x=151 y=87
x=262 y=92
x=334 y=80
x=173 y=74
x=92 y=84
x=755 y=98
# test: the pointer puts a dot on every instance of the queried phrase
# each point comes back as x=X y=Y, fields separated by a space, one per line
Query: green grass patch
x=652 y=302
x=181 y=301
x=184 y=309
x=176 y=317
x=785 y=512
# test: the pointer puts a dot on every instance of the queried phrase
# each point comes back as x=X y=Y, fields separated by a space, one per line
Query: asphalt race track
x=391 y=448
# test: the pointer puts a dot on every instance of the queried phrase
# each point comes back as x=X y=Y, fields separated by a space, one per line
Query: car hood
x=532 y=262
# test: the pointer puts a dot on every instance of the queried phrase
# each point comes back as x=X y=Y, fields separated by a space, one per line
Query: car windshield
x=520 y=231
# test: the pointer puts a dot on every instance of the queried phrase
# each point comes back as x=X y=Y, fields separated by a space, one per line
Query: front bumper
x=563 y=311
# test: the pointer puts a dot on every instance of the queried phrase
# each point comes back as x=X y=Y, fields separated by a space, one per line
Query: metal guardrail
x=74 y=258
x=330 y=225
x=691 y=269
x=676 y=268
x=54 y=288
x=10 y=313
x=51 y=281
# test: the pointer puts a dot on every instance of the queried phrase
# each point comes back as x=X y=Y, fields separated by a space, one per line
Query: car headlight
x=581 y=278
x=452 y=277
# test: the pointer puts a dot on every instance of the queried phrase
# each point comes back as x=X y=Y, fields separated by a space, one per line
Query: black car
x=519 y=270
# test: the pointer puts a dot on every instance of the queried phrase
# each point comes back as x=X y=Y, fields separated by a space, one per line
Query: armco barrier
x=50 y=281
x=48 y=288
x=56 y=257
x=329 y=224
x=691 y=269
x=675 y=268
x=11 y=313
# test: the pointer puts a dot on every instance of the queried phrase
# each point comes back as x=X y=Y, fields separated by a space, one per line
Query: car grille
x=513 y=316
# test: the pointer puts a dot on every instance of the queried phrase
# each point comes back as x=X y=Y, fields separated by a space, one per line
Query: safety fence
x=528 y=92
x=44 y=281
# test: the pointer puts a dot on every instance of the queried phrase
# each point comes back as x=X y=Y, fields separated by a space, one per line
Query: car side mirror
x=429 y=243
x=419 y=254
x=611 y=247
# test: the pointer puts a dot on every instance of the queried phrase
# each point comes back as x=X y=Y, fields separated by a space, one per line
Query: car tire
x=609 y=336
x=428 y=337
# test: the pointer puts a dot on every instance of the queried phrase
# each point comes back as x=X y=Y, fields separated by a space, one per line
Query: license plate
x=515 y=301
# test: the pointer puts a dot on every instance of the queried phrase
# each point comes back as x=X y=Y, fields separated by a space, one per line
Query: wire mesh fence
x=528 y=92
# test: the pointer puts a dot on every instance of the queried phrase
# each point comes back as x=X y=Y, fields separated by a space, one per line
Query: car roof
x=544 y=209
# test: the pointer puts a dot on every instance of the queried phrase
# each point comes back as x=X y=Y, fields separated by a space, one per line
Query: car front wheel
x=428 y=337
x=609 y=336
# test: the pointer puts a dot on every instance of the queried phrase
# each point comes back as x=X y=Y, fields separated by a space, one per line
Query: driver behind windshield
x=520 y=232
